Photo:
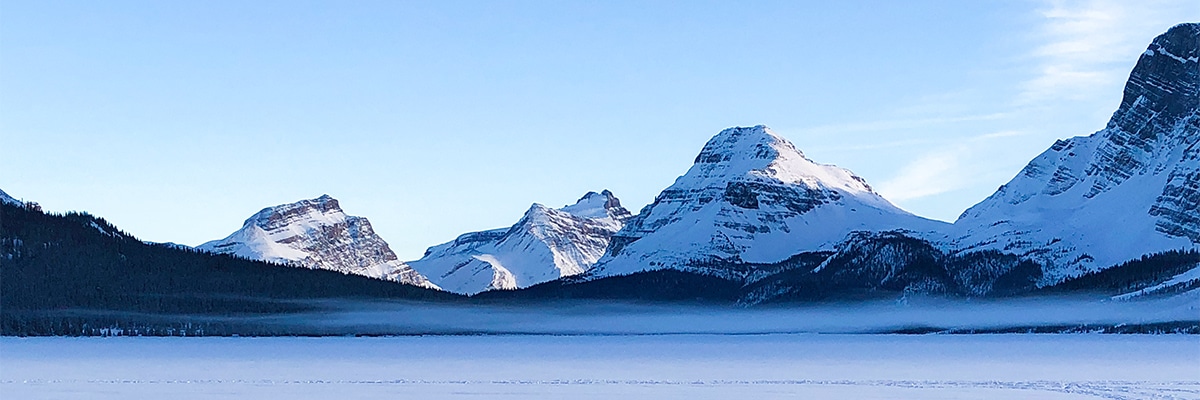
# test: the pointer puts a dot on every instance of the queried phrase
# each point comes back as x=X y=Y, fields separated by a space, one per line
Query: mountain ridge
x=1136 y=178
x=751 y=205
x=545 y=244
x=750 y=196
x=316 y=233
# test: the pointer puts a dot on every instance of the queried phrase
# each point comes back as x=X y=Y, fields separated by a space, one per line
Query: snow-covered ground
x=1077 y=366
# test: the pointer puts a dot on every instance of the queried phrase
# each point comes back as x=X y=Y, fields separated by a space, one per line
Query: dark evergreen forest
x=77 y=274
x=1134 y=275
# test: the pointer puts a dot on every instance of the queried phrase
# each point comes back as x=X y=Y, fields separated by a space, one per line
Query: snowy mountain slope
x=316 y=234
x=6 y=199
x=1130 y=189
x=546 y=244
x=750 y=197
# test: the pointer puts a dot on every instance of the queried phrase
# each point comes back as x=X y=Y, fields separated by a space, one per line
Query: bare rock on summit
x=544 y=245
x=317 y=234
x=750 y=198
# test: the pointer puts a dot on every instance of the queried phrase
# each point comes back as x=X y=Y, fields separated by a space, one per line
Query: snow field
x=649 y=366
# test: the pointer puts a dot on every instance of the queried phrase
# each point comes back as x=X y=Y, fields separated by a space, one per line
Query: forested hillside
x=57 y=272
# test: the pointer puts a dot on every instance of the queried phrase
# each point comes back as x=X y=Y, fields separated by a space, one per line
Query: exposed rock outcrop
x=545 y=244
x=316 y=233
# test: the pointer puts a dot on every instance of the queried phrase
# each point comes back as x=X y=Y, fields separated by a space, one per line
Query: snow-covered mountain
x=6 y=199
x=1130 y=189
x=750 y=197
x=317 y=234
x=546 y=244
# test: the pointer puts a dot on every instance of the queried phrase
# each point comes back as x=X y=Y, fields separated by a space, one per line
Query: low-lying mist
x=616 y=318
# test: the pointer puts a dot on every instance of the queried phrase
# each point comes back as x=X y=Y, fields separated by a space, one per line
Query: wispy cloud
x=945 y=169
x=1088 y=44
x=1001 y=134
x=1085 y=51
x=934 y=173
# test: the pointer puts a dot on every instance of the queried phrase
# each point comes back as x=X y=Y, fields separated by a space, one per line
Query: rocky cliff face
x=1130 y=189
x=750 y=197
x=316 y=234
x=545 y=244
x=1174 y=89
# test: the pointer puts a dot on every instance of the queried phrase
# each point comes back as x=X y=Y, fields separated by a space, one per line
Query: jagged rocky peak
x=598 y=205
x=1156 y=121
x=743 y=143
x=316 y=233
x=750 y=197
x=1172 y=84
x=1163 y=87
x=761 y=153
x=753 y=167
x=324 y=208
x=545 y=244
x=1076 y=206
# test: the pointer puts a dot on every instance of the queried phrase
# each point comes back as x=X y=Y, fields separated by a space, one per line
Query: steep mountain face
x=546 y=244
x=316 y=234
x=750 y=198
x=1130 y=189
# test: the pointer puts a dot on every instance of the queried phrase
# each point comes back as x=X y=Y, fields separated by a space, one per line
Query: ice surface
x=606 y=367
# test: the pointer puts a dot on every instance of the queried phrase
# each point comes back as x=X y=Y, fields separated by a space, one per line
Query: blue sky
x=176 y=121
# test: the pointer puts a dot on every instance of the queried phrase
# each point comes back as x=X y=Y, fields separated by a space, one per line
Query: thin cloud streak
x=1088 y=43
x=1085 y=54
x=931 y=174
x=943 y=170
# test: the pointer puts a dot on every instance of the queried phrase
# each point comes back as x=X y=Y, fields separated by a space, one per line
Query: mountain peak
x=597 y=205
x=759 y=154
x=755 y=142
x=1164 y=86
x=1074 y=207
x=545 y=244
x=325 y=205
x=750 y=197
x=316 y=233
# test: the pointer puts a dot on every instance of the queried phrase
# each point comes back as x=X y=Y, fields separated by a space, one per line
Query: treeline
x=1131 y=276
x=51 y=263
x=651 y=286
x=23 y=323
x=889 y=265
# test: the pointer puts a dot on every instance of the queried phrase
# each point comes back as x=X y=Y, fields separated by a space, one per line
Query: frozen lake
x=1018 y=366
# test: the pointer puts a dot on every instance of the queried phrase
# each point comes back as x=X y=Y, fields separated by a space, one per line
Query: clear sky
x=178 y=120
